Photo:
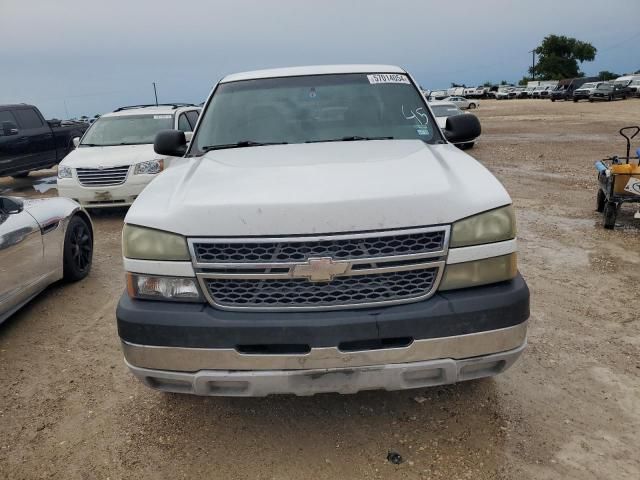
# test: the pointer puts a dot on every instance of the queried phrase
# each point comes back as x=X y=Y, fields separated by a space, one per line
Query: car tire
x=575 y=100
x=553 y=99
x=78 y=249
x=610 y=214
x=472 y=106
x=20 y=175
x=609 y=98
x=600 y=201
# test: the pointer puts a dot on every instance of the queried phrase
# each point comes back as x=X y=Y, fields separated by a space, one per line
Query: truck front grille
x=301 y=250
x=322 y=272
x=102 y=177
x=342 y=291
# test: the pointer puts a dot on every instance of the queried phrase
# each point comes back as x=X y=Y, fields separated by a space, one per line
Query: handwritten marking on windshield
x=418 y=115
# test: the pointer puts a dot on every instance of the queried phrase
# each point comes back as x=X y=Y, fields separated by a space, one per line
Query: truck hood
x=114 y=156
x=317 y=188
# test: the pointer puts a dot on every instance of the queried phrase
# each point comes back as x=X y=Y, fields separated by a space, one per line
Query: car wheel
x=472 y=106
x=78 y=250
x=553 y=99
x=575 y=100
x=600 y=201
x=609 y=98
x=610 y=214
x=21 y=175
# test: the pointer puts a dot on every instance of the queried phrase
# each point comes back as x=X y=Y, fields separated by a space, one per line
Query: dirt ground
x=569 y=409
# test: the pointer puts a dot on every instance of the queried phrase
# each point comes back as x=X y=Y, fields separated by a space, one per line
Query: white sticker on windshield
x=159 y=117
x=387 y=78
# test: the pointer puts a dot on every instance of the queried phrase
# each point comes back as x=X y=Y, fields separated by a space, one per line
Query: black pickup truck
x=28 y=142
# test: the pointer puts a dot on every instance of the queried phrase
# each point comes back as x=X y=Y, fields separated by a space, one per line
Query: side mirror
x=11 y=205
x=9 y=128
x=76 y=141
x=171 y=143
x=462 y=128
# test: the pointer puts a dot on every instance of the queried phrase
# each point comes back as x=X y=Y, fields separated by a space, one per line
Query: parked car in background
x=115 y=160
x=462 y=102
x=585 y=90
x=634 y=88
x=437 y=95
x=546 y=92
x=264 y=263
x=626 y=80
x=41 y=241
x=443 y=110
x=565 y=88
x=28 y=142
x=505 y=93
x=608 y=92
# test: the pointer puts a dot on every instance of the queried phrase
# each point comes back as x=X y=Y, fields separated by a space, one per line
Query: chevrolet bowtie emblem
x=320 y=269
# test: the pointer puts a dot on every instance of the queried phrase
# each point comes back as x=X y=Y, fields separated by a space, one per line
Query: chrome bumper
x=260 y=383
x=426 y=362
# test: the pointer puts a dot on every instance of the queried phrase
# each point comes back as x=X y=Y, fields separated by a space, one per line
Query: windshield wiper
x=243 y=143
x=351 y=138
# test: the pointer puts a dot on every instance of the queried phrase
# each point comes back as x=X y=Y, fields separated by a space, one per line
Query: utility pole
x=155 y=92
x=533 y=64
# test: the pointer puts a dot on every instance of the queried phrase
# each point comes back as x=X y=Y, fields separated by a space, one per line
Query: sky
x=86 y=57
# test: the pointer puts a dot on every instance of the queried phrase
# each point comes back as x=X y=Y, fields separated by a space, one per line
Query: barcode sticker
x=387 y=78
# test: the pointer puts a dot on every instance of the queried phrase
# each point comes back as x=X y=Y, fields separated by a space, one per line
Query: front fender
x=53 y=216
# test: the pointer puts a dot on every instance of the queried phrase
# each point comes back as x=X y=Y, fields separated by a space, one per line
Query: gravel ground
x=569 y=409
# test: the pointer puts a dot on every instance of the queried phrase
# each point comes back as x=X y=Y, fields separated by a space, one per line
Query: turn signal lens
x=479 y=272
x=176 y=289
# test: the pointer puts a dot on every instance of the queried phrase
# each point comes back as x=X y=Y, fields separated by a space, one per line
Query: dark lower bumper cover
x=398 y=376
x=445 y=314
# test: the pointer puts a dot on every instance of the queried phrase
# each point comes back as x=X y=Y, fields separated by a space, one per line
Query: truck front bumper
x=104 y=196
x=453 y=336
x=393 y=376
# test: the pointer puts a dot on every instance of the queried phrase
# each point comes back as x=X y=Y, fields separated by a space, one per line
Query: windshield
x=314 y=108
x=589 y=85
x=126 y=130
x=445 y=110
x=622 y=83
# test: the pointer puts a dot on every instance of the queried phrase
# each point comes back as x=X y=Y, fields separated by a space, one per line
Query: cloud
x=87 y=57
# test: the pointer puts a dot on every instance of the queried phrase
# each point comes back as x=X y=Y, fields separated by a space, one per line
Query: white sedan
x=442 y=111
x=462 y=103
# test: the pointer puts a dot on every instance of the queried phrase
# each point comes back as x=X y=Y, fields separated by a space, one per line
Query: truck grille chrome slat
x=296 y=251
x=95 y=177
x=353 y=290
x=322 y=272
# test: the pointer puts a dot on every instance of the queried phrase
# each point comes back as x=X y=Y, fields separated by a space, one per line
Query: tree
x=487 y=84
x=524 y=80
x=607 y=75
x=503 y=82
x=558 y=57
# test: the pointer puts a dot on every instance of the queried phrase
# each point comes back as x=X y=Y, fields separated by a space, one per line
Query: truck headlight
x=488 y=227
x=64 y=171
x=150 y=167
x=174 y=289
x=148 y=244
x=479 y=272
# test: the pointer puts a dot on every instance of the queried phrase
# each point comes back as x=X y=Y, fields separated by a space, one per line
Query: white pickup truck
x=322 y=234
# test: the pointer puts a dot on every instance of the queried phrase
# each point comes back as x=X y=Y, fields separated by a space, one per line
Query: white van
x=114 y=161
